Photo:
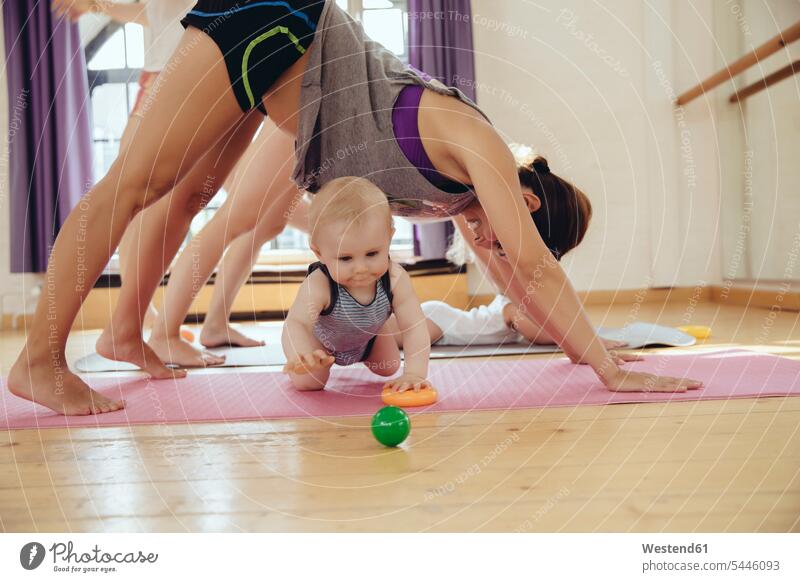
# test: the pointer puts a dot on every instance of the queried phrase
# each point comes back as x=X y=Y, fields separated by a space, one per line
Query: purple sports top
x=406 y=132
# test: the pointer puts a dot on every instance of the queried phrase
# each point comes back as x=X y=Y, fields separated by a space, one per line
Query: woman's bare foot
x=176 y=350
x=214 y=336
x=57 y=388
x=124 y=345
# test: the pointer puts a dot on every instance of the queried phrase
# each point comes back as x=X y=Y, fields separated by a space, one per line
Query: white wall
x=591 y=85
x=769 y=124
x=14 y=289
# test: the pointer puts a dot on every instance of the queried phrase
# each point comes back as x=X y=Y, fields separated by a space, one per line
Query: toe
x=210 y=359
x=165 y=373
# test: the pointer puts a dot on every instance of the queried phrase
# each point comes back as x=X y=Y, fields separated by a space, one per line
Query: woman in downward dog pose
x=568 y=214
x=244 y=236
x=353 y=109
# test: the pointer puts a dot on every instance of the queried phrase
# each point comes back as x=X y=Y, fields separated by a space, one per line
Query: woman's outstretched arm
x=128 y=12
x=546 y=290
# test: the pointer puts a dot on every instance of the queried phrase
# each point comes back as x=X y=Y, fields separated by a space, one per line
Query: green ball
x=390 y=426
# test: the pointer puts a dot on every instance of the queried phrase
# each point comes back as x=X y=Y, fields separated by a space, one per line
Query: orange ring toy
x=188 y=335
x=409 y=398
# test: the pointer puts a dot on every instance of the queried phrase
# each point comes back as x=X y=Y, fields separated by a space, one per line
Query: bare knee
x=140 y=187
x=267 y=229
x=196 y=201
x=384 y=367
x=308 y=385
x=309 y=382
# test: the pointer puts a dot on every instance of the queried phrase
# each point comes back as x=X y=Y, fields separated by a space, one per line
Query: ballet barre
x=770 y=47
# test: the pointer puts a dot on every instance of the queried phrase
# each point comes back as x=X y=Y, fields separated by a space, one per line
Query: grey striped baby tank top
x=347 y=328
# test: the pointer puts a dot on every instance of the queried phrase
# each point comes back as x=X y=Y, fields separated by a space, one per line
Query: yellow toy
x=700 y=332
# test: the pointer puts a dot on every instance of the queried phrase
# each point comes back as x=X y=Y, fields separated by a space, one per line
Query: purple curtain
x=440 y=43
x=50 y=164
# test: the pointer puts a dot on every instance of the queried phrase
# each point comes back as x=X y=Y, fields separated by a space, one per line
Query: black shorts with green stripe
x=259 y=39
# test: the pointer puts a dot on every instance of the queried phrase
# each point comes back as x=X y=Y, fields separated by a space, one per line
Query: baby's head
x=351 y=230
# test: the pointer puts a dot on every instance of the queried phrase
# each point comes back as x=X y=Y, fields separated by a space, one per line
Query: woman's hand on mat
x=609 y=345
x=620 y=358
x=628 y=381
x=307 y=363
x=617 y=357
x=613 y=344
x=407 y=382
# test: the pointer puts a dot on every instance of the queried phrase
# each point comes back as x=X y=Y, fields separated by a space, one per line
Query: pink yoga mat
x=482 y=385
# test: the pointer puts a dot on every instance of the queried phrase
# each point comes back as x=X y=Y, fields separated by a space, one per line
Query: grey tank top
x=345 y=124
x=347 y=328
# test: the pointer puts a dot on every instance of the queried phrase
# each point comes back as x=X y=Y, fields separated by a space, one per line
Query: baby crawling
x=341 y=311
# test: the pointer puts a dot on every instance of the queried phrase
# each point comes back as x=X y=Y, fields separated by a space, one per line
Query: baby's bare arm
x=411 y=322
x=298 y=330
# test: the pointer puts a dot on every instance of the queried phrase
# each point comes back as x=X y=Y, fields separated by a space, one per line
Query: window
x=385 y=21
x=113 y=72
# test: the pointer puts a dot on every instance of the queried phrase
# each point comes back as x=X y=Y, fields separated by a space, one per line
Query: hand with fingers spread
x=610 y=346
x=617 y=357
x=628 y=381
x=407 y=382
x=309 y=362
x=620 y=358
x=613 y=344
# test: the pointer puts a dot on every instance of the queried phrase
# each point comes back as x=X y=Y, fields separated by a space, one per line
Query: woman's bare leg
x=270 y=196
x=160 y=232
x=127 y=256
x=126 y=245
x=237 y=264
x=194 y=108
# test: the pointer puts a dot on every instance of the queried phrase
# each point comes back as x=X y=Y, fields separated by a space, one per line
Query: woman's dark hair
x=565 y=212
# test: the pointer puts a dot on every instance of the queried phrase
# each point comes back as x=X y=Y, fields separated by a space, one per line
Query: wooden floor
x=695 y=466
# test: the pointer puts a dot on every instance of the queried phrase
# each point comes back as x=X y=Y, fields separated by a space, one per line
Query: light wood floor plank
x=690 y=466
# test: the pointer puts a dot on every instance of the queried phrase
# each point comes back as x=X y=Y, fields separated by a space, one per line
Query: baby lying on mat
x=343 y=306
x=493 y=324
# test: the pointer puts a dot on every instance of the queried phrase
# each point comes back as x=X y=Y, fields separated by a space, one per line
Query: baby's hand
x=407 y=382
x=307 y=363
